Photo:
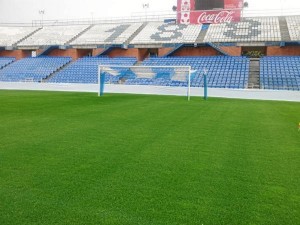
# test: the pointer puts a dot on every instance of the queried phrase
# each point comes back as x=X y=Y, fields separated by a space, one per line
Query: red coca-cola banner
x=188 y=15
x=218 y=16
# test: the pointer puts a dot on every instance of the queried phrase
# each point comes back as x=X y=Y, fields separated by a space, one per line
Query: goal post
x=161 y=78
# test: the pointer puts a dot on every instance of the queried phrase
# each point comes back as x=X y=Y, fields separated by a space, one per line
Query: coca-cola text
x=216 y=17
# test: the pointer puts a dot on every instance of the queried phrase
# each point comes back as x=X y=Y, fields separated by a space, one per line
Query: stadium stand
x=163 y=33
x=32 y=69
x=85 y=70
x=107 y=34
x=277 y=35
x=262 y=29
x=54 y=35
x=248 y=30
x=222 y=71
x=293 y=23
x=280 y=73
x=10 y=36
x=4 y=61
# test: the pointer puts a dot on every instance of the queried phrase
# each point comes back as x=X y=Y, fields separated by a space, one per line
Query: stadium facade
x=242 y=53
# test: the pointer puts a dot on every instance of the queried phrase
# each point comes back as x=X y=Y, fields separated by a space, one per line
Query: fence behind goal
x=167 y=79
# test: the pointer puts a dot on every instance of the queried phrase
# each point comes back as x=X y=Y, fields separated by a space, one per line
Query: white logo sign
x=218 y=17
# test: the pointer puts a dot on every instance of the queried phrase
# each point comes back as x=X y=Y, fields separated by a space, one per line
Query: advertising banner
x=208 y=11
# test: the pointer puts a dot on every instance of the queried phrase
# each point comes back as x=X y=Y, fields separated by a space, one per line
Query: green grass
x=74 y=158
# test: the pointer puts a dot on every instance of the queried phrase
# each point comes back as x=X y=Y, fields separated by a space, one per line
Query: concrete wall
x=158 y=90
x=97 y=51
x=201 y=51
x=119 y=52
x=234 y=50
x=139 y=53
x=283 y=51
x=164 y=51
x=74 y=53
x=198 y=51
x=18 y=54
x=143 y=53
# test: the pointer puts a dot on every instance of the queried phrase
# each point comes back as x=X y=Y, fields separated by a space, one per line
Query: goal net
x=162 y=79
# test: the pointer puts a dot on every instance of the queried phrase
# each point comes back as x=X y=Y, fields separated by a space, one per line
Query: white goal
x=160 y=79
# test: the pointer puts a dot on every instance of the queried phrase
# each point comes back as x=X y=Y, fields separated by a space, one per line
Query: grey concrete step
x=200 y=38
x=254 y=79
x=284 y=31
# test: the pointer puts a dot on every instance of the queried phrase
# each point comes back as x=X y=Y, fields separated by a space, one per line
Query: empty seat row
x=159 y=33
x=257 y=29
x=53 y=35
x=293 y=23
x=85 y=70
x=280 y=73
x=107 y=34
x=4 y=61
x=11 y=35
x=32 y=69
x=247 y=30
x=221 y=71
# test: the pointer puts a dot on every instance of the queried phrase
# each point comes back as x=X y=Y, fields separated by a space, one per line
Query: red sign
x=187 y=14
x=223 y=16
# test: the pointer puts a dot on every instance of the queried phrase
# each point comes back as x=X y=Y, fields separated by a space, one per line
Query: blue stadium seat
x=4 y=61
x=33 y=69
x=85 y=70
x=223 y=71
x=280 y=73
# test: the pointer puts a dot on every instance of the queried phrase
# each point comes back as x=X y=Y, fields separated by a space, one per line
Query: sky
x=25 y=11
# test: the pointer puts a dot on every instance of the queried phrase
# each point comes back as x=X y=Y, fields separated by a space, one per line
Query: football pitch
x=75 y=158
